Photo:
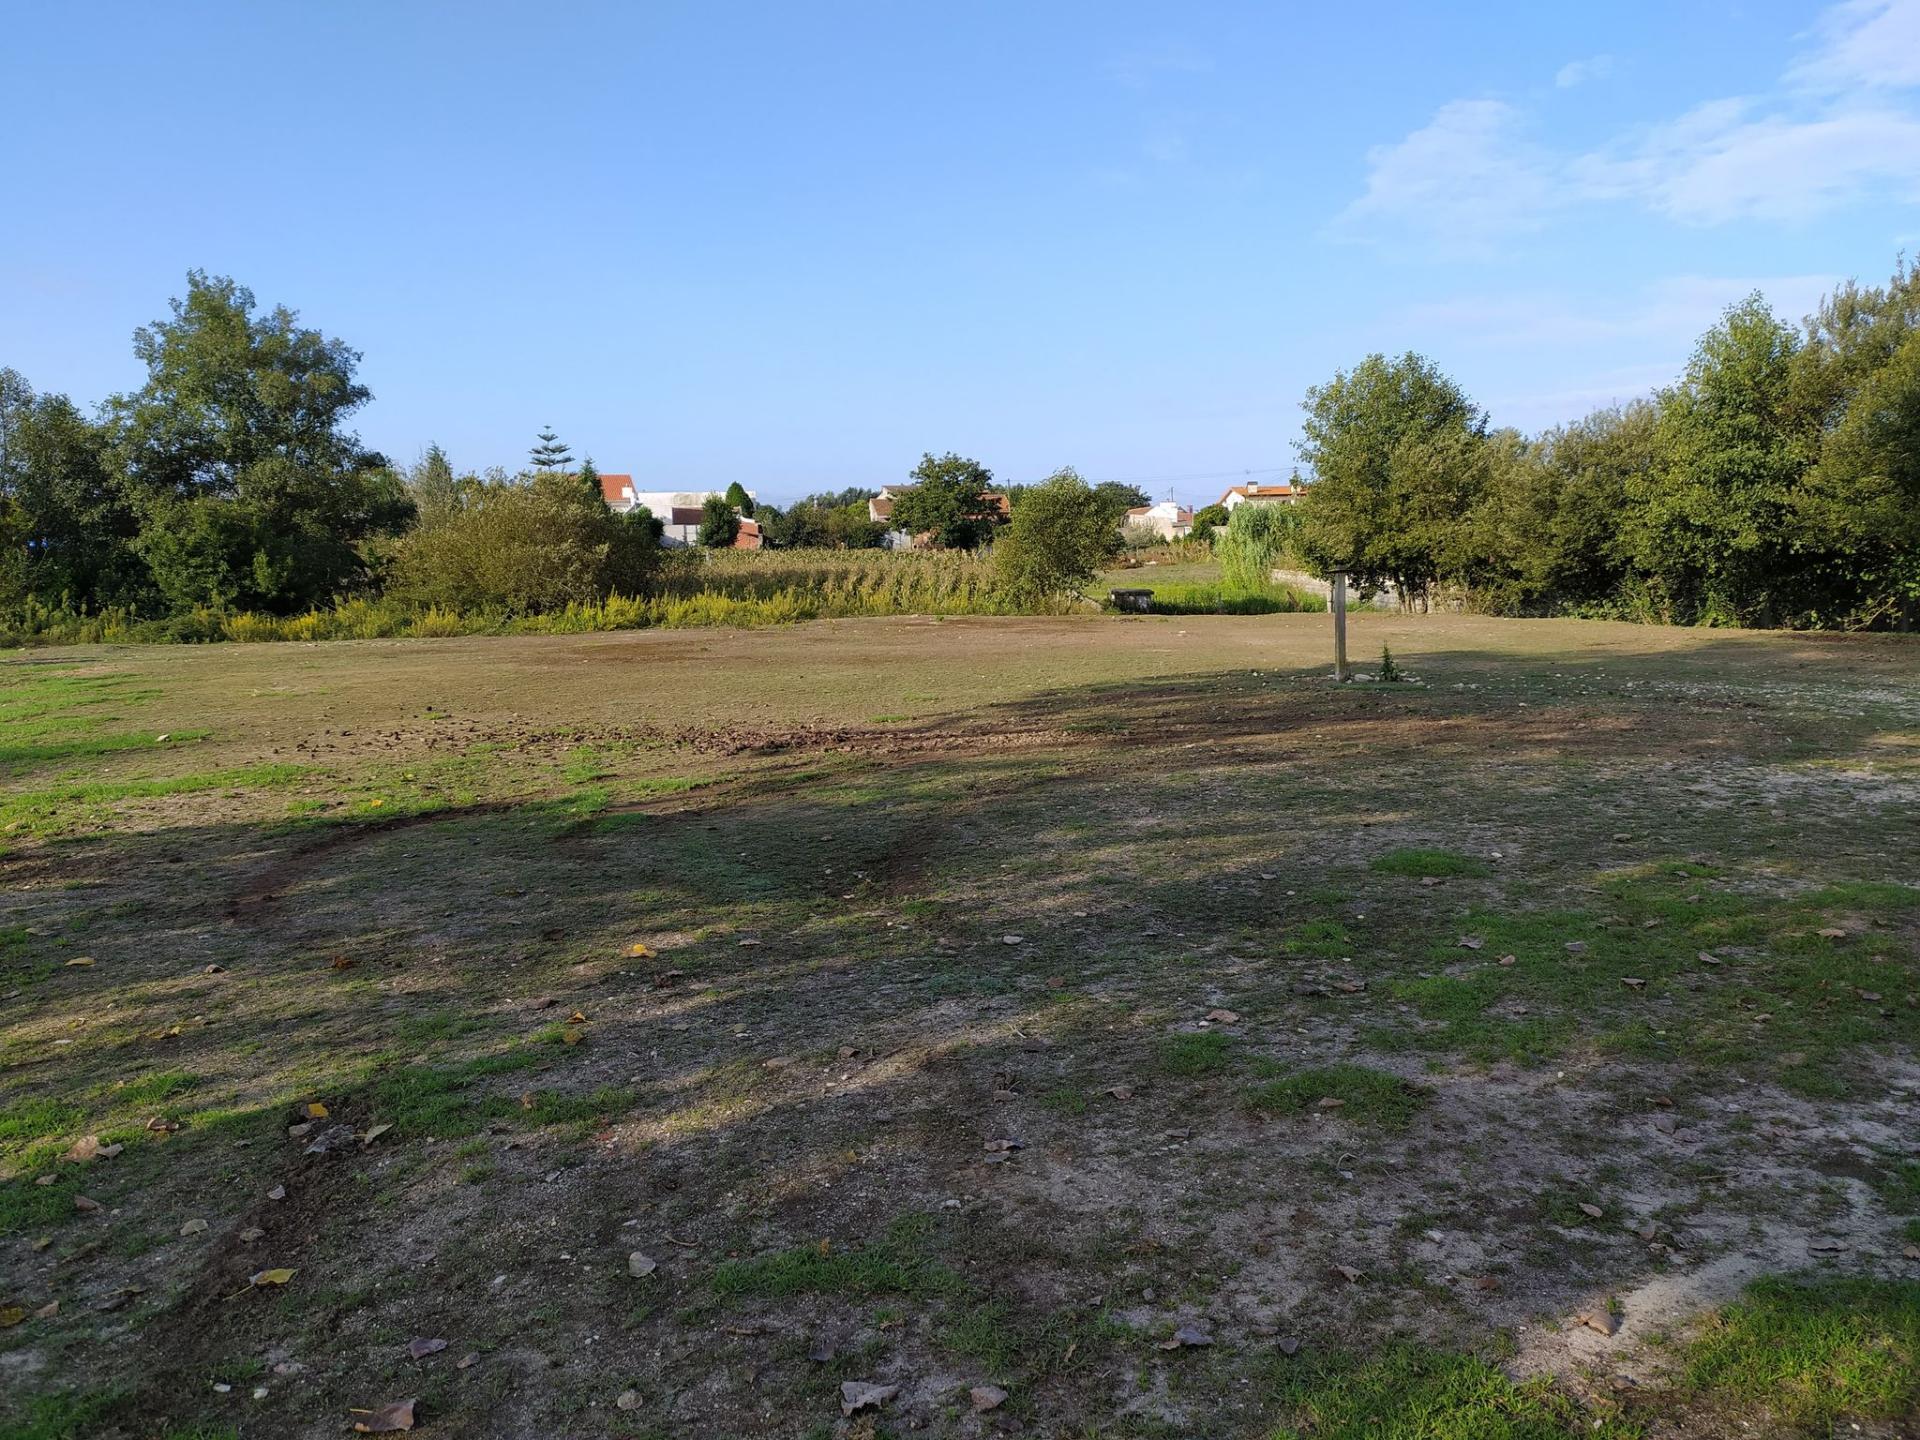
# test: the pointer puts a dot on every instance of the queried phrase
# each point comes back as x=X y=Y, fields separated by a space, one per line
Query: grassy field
x=1110 y=1017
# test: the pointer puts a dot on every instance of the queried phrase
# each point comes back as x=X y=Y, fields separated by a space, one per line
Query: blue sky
x=797 y=245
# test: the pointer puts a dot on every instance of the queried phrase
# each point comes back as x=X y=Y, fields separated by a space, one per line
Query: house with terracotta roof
x=1238 y=495
x=678 y=511
x=1168 y=519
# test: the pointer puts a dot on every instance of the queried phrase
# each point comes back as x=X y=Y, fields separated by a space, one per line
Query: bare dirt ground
x=1093 y=1028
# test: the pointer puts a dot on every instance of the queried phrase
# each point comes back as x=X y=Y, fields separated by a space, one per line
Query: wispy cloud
x=1841 y=126
x=1871 y=43
x=1470 y=176
x=1579 y=72
x=1672 y=312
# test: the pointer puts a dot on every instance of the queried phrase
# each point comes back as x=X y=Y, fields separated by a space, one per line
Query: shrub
x=1259 y=538
x=1060 y=536
x=524 y=548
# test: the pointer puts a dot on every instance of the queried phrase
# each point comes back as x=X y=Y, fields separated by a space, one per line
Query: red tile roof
x=1263 y=492
x=612 y=487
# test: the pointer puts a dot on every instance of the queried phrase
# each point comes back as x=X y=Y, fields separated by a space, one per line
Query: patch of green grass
x=900 y=1263
x=63 y=1417
x=1069 y=1100
x=1811 y=1353
x=26 y=1123
x=1899 y=1186
x=1205 y=1053
x=451 y=1102
x=1411 y=1392
x=152 y=1089
x=1415 y=861
x=1368 y=1096
x=65 y=808
x=1010 y=1342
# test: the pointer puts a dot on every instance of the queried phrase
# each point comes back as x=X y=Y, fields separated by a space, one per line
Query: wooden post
x=1340 y=671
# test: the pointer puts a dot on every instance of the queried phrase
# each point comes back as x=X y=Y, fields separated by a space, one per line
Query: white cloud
x=1579 y=72
x=1873 y=43
x=1837 y=131
x=1673 y=312
x=1469 y=176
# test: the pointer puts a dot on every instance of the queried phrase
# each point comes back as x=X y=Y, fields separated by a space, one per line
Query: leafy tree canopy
x=949 y=501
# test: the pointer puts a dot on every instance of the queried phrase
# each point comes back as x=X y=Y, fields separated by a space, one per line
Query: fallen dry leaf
x=1592 y=1210
x=81 y=961
x=986 y=1397
x=251 y=1234
x=1603 y=1320
x=576 y=1018
x=374 y=1133
x=1349 y=1274
x=1223 y=1017
x=1330 y=1102
x=279 y=1192
x=640 y=950
x=397 y=1416
x=86 y=1203
x=261 y=1279
x=419 y=1349
x=316 y=1111
x=12 y=1315
x=1831 y=932
x=47 y=1311
x=1120 y=1092
x=193 y=1227
x=1633 y=982
x=639 y=1263
x=1471 y=942
x=1509 y=959
x=1288 y=1344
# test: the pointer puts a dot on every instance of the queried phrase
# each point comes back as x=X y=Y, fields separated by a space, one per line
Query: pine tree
x=738 y=498
x=552 y=453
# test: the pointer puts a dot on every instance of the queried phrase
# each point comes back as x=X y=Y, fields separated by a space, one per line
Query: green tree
x=949 y=501
x=589 y=478
x=250 y=491
x=1060 y=536
x=738 y=498
x=1121 y=496
x=719 y=523
x=1707 y=525
x=66 y=528
x=1395 y=447
x=550 y=452
x=1207 y=519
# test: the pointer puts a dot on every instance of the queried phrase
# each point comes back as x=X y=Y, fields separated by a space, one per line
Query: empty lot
x=1113 y=1016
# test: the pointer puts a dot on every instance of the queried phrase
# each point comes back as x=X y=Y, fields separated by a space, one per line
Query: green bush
x=525 y=548
x=1259 y=538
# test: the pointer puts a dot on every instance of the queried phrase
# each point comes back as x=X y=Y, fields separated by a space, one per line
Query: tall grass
x=726 y=587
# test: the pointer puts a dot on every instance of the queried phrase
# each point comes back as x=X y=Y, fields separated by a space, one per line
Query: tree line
x=1777 y=482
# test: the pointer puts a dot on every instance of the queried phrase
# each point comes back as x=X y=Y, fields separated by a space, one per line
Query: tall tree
x=1707 y=522
x=949 y=501
x=250 y=490
x=550 y=452
x=738 y=498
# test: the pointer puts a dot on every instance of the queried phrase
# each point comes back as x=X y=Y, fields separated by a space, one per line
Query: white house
x=677 y=510
x=1240 y=495
x=1168 y=519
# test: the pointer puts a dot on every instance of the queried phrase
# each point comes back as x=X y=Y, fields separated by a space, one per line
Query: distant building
x=749 y=537
x=1168 y=519
x=678 y=511
x=880 y=511
x=1262 y=495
